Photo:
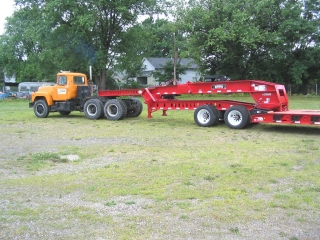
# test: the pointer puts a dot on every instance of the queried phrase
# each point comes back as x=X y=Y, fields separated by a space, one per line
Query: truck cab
x=68 y=94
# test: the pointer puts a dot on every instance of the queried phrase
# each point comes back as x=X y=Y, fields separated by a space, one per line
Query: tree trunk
x=102 y=80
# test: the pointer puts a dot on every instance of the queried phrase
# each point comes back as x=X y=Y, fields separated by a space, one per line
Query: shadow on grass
x=288 y=129
x=58 y=115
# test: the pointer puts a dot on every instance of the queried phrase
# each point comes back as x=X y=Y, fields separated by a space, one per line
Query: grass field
x=159 y=178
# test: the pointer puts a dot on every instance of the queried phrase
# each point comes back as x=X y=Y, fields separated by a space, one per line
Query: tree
x=74 y=34
x=269 y=39
x=151 y=38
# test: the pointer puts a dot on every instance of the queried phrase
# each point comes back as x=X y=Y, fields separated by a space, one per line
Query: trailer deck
x=270 y=105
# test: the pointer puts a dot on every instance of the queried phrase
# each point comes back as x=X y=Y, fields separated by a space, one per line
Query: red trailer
x=271 y=103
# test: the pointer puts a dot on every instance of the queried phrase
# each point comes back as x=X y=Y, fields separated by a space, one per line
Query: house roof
x=158 y=63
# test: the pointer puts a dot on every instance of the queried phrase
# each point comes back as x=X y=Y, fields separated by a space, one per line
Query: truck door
x=61 y=91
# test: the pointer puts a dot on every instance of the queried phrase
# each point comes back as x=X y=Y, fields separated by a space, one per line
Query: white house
x=8 y=82
x=156 y=64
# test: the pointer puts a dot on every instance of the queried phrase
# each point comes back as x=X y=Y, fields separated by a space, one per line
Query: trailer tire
x=92 y=109
x=237 y=117
x=135 y=107
x=206 y=116
x=113 y=110
x=64 y=113
x=41 y=109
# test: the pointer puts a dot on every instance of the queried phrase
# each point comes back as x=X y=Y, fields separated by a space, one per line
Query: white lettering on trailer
x=239 y=90
x=62 y=91
x=228 y=90
x=258 y=119
x=219 y=86
x=260 y=87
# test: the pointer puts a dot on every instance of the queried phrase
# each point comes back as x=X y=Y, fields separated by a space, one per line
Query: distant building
x=9 y=79
x=8 y=82
x=156 y=64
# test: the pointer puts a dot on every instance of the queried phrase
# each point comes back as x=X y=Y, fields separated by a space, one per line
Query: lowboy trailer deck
x=271 y=103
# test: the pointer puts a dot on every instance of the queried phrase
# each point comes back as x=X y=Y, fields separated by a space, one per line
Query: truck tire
x=124 y=108
x=237 y=117
x=113 y=110
x=41 y=109
x=134 y=106
x=92 y=109
x=206 y=116
x=101 y=105
x=65 y=113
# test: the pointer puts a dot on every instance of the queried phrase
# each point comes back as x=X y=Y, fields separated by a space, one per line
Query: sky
x=6 y=10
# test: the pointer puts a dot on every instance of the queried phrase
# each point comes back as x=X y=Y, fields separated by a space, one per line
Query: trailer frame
x=271 y=104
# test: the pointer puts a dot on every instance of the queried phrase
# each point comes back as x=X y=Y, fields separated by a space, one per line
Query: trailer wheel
x=113 y=110
x=92 y=109
x=41 y=109
x=65 y=113
x=206 y=116
x=237 y=117
x=135 y=107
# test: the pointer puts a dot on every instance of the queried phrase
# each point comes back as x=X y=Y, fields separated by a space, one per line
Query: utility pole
x=174 y=61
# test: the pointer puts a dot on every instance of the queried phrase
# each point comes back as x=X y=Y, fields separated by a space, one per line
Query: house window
x=142 y=80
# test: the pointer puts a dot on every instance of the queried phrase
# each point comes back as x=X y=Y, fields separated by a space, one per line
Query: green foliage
x=276 y=40
x=69 y=35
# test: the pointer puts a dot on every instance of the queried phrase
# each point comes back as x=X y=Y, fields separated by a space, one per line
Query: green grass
x=164 y=166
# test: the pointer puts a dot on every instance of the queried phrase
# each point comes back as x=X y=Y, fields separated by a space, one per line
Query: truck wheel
x=135 y=107
x=92 y=109
x=237 y=117
x=124 y=108
x=113 y=109
x=65 y=113
x=101 y=105
x=206 y=116
x=41 y=109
